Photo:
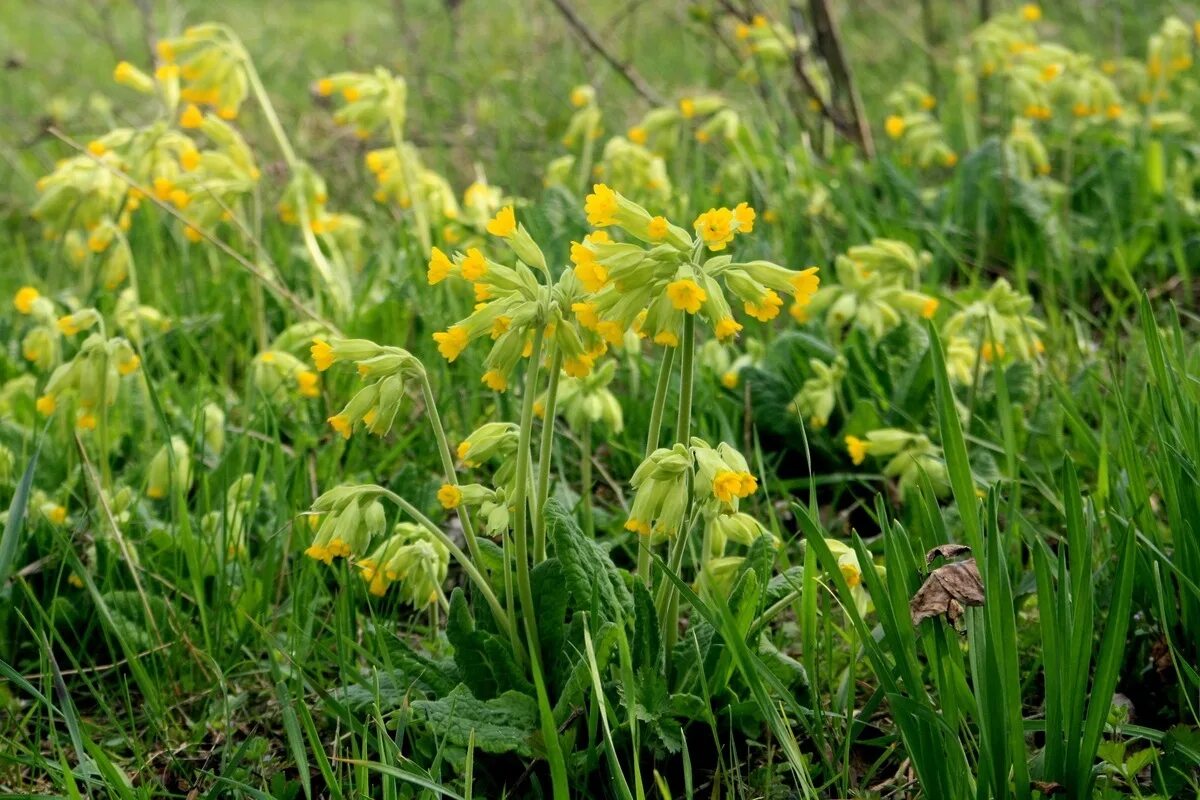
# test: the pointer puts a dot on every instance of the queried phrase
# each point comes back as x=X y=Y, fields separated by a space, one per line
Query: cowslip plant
x=554 y=329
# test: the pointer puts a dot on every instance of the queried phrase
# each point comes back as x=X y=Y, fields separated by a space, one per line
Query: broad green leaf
x=588 y=569
x=507 y=723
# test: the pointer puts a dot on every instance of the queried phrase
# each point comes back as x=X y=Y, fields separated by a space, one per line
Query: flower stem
x=683 y=433
x=463 y=560
x=545 y=452
x=558 y=767
x=656 y=415
x=585 y=479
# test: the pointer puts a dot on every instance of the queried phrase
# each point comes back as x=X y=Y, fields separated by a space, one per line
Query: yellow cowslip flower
x=341 y=424
x=729 y=379
x=930 y=308
x=636 y=134
x=452 y=341
x=191 y=117
x=744 y=216
x=894 y=126
x=449 y=496
x=992 y=352
x=687 y=107
x=1051 y=71
x=495 y=380
x=97 y=148
x=308 y=384
x=686 y=295
x=928 y=102
x=180 y=199
x=1031 y=12
x=857 y=448
x=504 y=224
x=24 y=299
x=57 y=515
x=162 y=188
x=46 y=404
x=129 y=365
x=322 y=354
x=805 y=284
x=127 y=74
x=67 y=326
x=726 y=486
x=658 y=229
x=601 y=206
x=440 y=267
x=749 y=484
x=666 y=339
x=474 y=266
x=189 y=159
x=727 y=328
x=86 y=421
x=766 y=309
x=591 y=273
x=324 y=87
x=637 y=526
x=579 y=366
x=716 y=227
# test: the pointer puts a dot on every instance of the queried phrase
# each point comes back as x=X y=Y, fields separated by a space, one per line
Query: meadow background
x=162 y=632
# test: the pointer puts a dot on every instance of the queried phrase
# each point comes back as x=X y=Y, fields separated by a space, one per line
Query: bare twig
x=631 y=75
x=829 y=44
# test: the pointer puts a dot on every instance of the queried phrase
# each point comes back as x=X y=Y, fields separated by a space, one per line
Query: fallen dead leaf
x=949 y=588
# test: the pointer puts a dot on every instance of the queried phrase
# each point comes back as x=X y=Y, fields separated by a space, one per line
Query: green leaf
x=647 y=645
x=550 y=599
x=587 y=566
x=16 y=516
x=485 y=662
x=389 y=688
x=128 y=616
x=505 y=724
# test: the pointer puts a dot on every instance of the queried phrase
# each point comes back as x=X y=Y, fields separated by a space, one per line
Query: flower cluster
x=919 y=134
x=911 y=455
x=410 y=558
x=657 y=283
x=92 y=377
x=873 y=290
x=386 y=373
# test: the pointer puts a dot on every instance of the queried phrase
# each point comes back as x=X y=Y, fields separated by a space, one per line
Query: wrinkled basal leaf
x=505 y=724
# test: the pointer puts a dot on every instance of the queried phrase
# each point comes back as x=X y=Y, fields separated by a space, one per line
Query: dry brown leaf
x=949 y=588
x=946 y=551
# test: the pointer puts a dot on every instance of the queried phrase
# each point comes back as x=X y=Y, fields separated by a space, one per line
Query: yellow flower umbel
x=387 y=374
x=912 y=454
x=349 y=518
x=670 y=279
x=660 y=502
x=410 y=559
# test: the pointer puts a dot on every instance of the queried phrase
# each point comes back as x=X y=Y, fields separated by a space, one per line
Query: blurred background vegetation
x=488 y=79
